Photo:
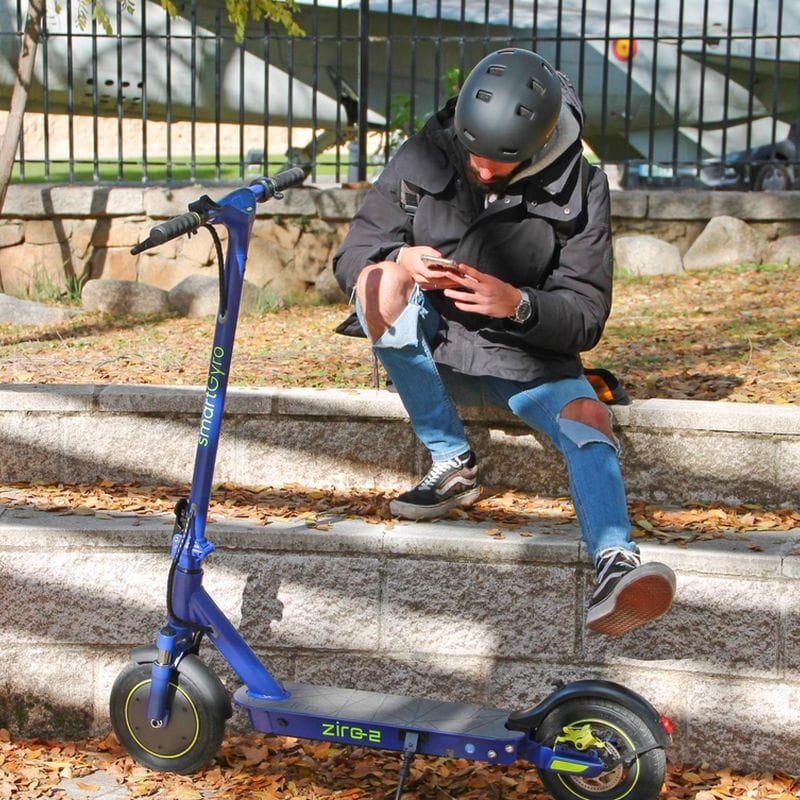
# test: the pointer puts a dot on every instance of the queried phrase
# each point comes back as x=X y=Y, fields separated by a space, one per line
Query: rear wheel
x=773 y=177
x=188 y=741
x=619 y=736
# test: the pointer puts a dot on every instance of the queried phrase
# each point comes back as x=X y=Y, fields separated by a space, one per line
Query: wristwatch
x=524 y=310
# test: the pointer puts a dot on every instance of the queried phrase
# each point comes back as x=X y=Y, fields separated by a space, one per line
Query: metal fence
x=676 y=93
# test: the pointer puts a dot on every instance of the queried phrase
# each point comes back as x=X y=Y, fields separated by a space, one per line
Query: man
x=497 y=183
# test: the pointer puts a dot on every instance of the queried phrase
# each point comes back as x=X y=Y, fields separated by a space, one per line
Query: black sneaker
x=448 y=484
x=628 y=593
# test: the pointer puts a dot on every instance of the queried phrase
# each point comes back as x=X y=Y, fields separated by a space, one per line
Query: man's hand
x=427 y=275
x=479 y=293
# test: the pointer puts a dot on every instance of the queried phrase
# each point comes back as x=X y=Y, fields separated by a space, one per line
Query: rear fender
x=530 y=720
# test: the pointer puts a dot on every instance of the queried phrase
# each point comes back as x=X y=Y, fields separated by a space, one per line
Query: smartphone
x=441 y=263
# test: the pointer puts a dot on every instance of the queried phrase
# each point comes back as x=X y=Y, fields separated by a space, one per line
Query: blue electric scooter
x=589 y=739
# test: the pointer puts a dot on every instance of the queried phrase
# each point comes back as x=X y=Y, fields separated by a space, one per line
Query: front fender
x=530 y=720
x=197 y=671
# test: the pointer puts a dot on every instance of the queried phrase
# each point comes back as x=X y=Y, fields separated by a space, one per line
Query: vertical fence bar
x=193 y=93
x=145 y=141
x=119 y=104
x=676 y=110
x=95 y=105
x=45 y=61
x=363 y=85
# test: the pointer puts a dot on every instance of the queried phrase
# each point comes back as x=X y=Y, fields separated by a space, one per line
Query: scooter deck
x=381 y=720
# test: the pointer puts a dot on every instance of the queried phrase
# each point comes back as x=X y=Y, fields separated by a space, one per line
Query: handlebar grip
x=177 y=226
x=171 y=229
x=271 y=186
x=289 y=177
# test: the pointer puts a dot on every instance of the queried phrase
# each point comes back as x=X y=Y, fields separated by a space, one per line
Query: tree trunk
x=19 y=96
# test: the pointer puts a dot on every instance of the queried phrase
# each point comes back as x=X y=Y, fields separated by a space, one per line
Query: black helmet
x=509 y=106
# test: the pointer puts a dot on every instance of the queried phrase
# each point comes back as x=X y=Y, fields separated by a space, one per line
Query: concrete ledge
x=673 y=451
x=437 y=610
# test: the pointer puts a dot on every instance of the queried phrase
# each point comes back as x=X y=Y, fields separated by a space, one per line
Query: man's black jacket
x=550 y=232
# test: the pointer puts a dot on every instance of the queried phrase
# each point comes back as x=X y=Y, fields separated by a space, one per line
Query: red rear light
x=666 y=724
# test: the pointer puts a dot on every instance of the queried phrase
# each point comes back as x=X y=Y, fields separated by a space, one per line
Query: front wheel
x=636 y=763
x=191 y=737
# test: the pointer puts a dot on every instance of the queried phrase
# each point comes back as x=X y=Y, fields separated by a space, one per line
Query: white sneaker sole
x=643 y=595
x=415 y=512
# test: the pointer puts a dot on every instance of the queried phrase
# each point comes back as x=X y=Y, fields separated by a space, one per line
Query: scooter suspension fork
x=160 y=676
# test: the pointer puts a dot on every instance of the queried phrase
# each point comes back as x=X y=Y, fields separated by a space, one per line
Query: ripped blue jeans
x=430 y=392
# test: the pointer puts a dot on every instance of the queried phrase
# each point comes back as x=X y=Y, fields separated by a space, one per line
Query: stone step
x=446 y=610
x=673 y=451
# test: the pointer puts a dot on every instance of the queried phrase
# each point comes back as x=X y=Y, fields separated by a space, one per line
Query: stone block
x=51 y=701
x=297 y=202
x=791 y=626
x=724 y=242
x=340 y=204
x=121 y=297
x=125 y=447
x=534 y=542
x=679 y=204
x=676 y=468
x=164 y=270
x=123 y=201
x=266 y=261
x=113 y=263
x=788 y=471
x=629 y=204
x=316 y=453
x=339 y=403
x=785 y=250
x=198 y=249
x=123 y=233
x=198 y=296
x=31 y=447
x=60 y=398
x=492 y=610
x=161 y=203
x=456 y=679
x=311 y=602
x=753 y=723
x=47 y=231
x=24 y=201
x=18 y=266
x=646 y=255
x=80 y=598
x=11 y=233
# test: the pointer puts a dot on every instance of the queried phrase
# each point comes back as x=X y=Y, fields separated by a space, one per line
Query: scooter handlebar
x=264 y=188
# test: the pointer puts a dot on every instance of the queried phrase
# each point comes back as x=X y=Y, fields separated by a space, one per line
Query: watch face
x=523 y=311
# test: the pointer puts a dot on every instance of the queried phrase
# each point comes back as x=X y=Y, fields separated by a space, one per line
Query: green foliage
x=240 y=12
x=280 y=11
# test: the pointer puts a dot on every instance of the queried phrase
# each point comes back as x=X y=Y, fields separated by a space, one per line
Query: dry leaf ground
x=717 y=335
x=278 y=768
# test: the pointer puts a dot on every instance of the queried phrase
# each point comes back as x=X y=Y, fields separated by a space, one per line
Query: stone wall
x=51 y=233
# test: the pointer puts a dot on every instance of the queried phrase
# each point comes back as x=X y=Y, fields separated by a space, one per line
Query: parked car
x=771 y=167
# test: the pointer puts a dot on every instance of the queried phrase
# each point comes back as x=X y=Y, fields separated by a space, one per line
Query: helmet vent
x=528 y=113
x=483 y=95
x=467 y=135
x=537 y=86
x=496 y=69
x=508 y=152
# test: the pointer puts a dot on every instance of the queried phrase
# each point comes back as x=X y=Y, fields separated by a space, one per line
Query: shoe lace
x=437 y=470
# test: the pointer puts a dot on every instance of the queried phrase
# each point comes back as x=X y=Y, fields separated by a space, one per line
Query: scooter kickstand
x=409 y=749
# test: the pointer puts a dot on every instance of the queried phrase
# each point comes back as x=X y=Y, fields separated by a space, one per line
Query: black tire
x=186 y=743
x=773 y=177
x=624 y=733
